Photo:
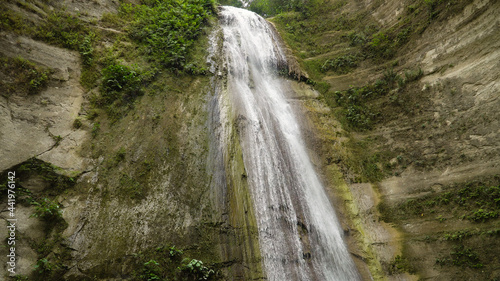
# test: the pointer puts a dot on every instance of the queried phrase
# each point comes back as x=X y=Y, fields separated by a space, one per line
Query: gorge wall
x=409 y=157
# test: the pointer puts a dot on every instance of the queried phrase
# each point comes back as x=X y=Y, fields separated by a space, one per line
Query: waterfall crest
x=299 y=234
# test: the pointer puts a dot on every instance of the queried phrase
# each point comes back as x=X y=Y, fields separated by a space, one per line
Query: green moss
x=28 y=78
x=132 y=187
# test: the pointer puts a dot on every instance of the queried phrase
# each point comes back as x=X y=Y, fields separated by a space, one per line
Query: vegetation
x=400 y=264
x=47 y=209
x=170 y=263
x=462 y=257
x=28 y=77
x=273 y=7
x=12 y=20
x=168 y=29
x=355 y=110
x=341 y=64
x=475 y=202
x=120 y=84
x=63 y=30
x=52 y=254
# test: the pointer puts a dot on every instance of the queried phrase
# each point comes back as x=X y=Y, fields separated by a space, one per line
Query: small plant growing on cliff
x=47 y=209
x=86 y=49
x=400 y=264
x=77 y=124
x=174 y=252
x=151 y=271
x=196 y=269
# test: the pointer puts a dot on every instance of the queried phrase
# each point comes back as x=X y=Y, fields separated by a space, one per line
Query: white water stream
x=299 y=235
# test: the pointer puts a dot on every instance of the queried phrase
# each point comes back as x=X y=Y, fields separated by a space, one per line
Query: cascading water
x=299 y=235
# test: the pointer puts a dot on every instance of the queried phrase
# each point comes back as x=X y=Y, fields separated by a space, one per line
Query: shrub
x=196 y=269
x=44 y=266
x=169 y=28
x=151 y=271
x=482 y=215
x=119 y=82
x=77 y=124
x=86 y=49
x=341 y=64
x=63 y=30
x=30 y=78
x=47 y=209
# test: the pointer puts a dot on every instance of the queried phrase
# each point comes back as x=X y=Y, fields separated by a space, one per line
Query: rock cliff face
x=434 y=140
x=153 y=180
x=158 y=177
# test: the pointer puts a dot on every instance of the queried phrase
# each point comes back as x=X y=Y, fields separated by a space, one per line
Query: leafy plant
x=47 y=209
x=341 y=64
x=29 y=78
x=174 y=252
x=44 y=266
x=118 y=79
x=86 y=49
x=120 y=155
x=197 y=269
x=482 y=215
x=462 y=256
x=77 y=124
x=95 y=129
x=400 y=264
x=151 y=271
x=63 y=30
x=168 y=28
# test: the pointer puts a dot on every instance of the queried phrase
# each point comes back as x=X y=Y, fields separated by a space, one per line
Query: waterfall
x=299 y=235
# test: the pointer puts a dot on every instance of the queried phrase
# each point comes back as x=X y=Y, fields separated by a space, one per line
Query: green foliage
x=400 y=264
x=95 y=129
x=460 y=235
x=86 y=49
x=120 y=155
x=120 y=83
x=197 y=270
x=481 y=215
x=462 y=257
x=47 y=172
x=357 y=39
x=340 y=64
x=28 y=77
x=150 y=271
x=234 y=3
x=268 y=8
x=77 y=124
x=355 y=110
x=169 y=263
x=20 y=277
x=168 y=28
x=44 y=266
x=475 y=202
x=120 y=87
x=63 y=30
x=12 y=21
x=47 y=209
x=357 y=113
x=174 y=252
